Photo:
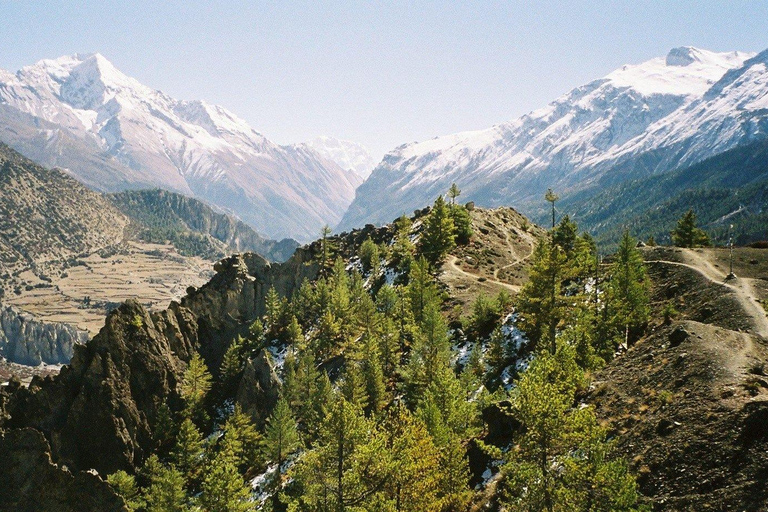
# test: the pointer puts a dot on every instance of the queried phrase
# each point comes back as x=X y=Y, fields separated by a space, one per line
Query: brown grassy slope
x=689 y=403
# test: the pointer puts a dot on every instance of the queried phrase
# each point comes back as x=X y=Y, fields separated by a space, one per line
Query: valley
x=196 y=318
x=93 y=285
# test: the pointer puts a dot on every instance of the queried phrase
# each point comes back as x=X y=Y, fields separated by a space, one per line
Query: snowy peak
x=347 y=154
x=82 y=114
x=685 y=71
x=684 y=56
x=641 y=119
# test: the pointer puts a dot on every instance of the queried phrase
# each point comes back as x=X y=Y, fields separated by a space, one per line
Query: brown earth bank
x=688 y=404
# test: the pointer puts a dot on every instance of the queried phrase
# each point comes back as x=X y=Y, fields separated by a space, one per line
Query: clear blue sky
x=380 y=73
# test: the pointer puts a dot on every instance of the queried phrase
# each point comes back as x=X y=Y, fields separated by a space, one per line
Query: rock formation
x=25 y=340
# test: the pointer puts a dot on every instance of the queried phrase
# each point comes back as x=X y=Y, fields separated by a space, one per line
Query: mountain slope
x=46 y=215
x=728 y=189
x=112 y=133
x=161 y=214
x=639 y=120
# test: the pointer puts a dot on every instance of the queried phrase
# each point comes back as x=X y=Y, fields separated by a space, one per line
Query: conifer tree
x=353 y=386
x=273 y=308
x=476 y=362
x=232 y=363
x=166 y=488
x=687 y=234
x=326 y=249
x=223 y=487
x=421 y=289
x=565 y=235
x=416 y=474
x=562 y=461
x=540 y=300
x=551 y=197
x=439 y=234
x=241 y=439
x=453 y=193
x=188 y=452
x=348 y=466
x=125 y=486
x=497 y=351
x=281 y=436
x=431 y=351
x=195 y=385
x=403 y=248
x=370 y=256
x=628 y=299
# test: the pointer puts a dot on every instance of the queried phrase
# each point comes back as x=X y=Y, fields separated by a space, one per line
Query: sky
x=378 y=73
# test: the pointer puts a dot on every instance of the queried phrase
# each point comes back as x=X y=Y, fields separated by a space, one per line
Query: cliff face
x=25 y=340
x=35 y=483
x=100 y=412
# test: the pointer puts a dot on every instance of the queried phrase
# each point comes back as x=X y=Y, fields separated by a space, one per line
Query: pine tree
x=369 y=256
x=439 y=234
x=421 y=289
x=403 y=248
x=195 y=385
x=453 y=193
x=565 y=235
x=454 y=485
x=687 y=234
x=281 y=436
x=497 y=351
x=125 y=486
x=562 y=461
x=326 y=249
x=416 y=473
x=353 y=386
x=551 y=197
x=166 y=488
x=431 y=351
x=233 y=362
x=223 y=487
x=242 y=439
x=273 y=308
x=373 y=376
x=628 y=299
x=188 y=452
x=348 y=466
x=476 y=362
x=540 y=300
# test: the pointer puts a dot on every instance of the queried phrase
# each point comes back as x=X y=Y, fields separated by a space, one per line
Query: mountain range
x=81 y=114
x=637 y=122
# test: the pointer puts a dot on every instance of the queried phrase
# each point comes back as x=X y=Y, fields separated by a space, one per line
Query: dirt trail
x=454 y=267
x=741 y=287
x=515 y=258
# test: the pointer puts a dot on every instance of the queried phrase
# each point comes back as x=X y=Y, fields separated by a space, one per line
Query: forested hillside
x=728 y=189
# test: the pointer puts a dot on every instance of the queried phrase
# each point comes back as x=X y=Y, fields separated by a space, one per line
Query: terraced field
x=154 y=274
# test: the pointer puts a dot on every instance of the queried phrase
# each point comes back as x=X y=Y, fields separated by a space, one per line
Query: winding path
x=741 y=287
x=452 y=264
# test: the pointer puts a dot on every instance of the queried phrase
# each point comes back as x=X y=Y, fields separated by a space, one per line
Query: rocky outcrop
x=100 y=412
x=259 y=388
x=30 y=481
x=25 y=340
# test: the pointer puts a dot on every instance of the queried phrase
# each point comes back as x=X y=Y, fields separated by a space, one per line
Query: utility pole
x=730 y=275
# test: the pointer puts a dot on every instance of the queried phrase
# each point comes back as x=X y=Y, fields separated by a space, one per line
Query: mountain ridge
x=113 y=133
x=637 y=121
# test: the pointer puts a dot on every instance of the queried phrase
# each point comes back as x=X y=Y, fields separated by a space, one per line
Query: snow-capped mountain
x=637 y=121
x=112 y=133
x=349 y=155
